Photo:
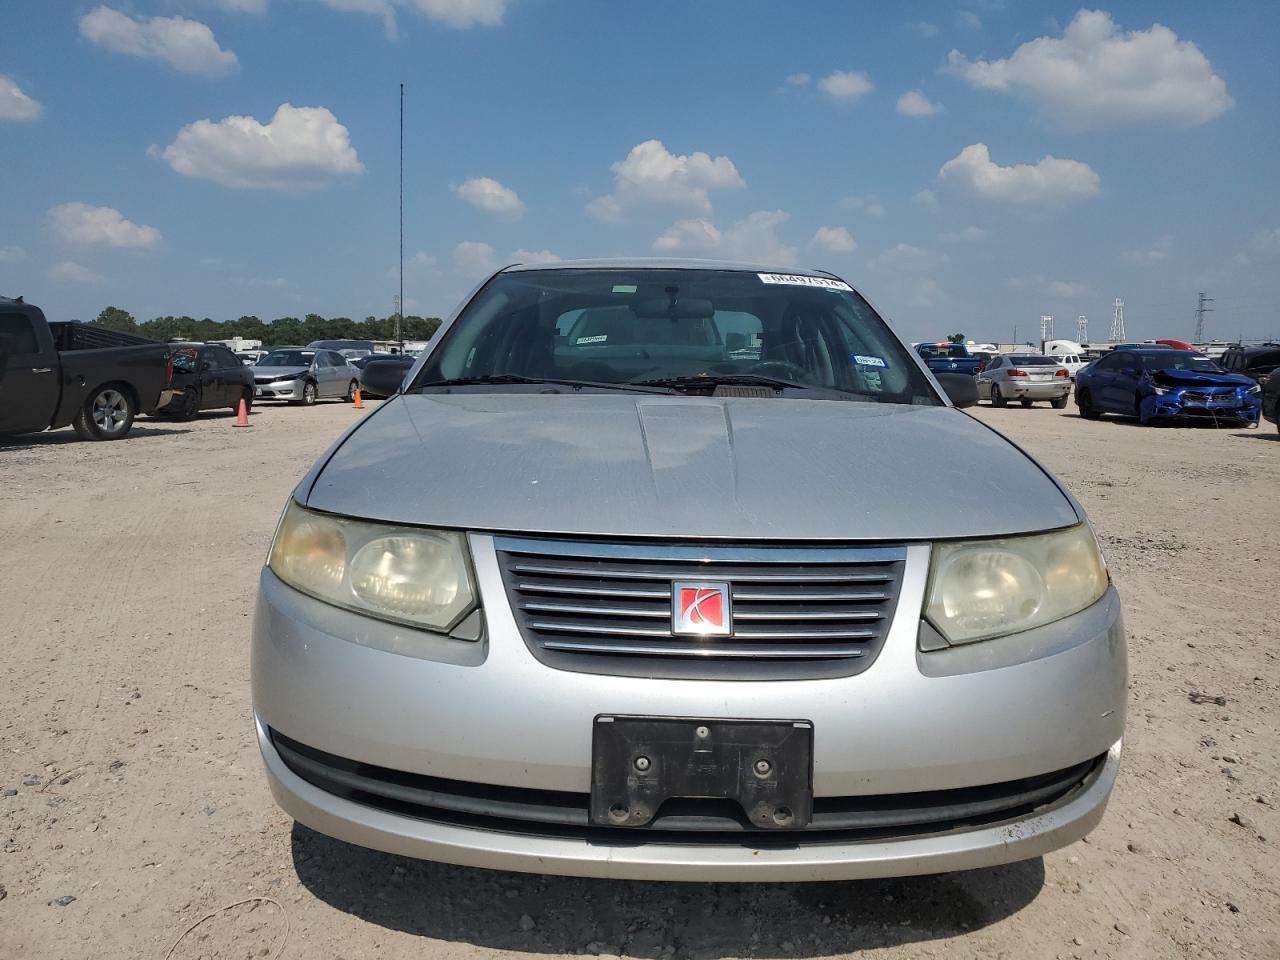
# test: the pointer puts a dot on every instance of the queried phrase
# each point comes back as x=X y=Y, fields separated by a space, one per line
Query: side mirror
x=960 y=388
x=384 y=376
x=206 y=365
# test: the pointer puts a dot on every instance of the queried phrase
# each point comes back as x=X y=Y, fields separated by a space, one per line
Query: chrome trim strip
x=789 y=652
x=704 y=554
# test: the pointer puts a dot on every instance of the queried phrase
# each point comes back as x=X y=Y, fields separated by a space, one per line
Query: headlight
x=407 y=575
x=980 y=589
x=1256 y=388
x=1159 y=391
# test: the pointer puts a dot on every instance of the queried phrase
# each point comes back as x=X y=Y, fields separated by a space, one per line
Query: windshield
x=288 y=358
x=682 y=330
x=1178 y=360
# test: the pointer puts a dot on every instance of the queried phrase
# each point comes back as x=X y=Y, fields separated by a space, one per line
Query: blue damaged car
x=1158 y=383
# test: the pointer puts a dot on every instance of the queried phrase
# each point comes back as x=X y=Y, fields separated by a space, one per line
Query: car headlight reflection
x=980 y=589
x=407 y=575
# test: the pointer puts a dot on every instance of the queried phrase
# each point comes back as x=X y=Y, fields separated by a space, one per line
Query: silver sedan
x=1025 y=377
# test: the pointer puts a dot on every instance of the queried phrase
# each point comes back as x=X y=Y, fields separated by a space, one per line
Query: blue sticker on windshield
x=868 y=361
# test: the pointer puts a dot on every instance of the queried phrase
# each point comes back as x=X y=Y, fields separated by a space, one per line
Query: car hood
x=657 y=466
x=277 y=373
x=1189 y=378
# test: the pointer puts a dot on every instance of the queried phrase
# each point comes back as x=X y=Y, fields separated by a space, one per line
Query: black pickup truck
x=55 y=374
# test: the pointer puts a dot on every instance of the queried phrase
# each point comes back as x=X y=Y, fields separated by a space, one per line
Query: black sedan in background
x=206 y=376
x=390 y=365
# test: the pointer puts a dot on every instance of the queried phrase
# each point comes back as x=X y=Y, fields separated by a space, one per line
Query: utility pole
x=400 y=296
x=1201 y=310
x=1117 y=322
x=1082 y=329
x=1046 y=329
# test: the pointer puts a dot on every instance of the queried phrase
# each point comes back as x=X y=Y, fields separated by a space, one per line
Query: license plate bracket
x=638 y=763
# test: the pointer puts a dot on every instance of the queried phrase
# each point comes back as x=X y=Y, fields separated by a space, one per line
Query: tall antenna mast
x=1117 y=322
x=400 y=296
x=1201 y=310
x=1082 y=329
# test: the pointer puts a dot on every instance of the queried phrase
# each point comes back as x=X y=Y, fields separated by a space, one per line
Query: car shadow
x=1189 y=424
x=53 y=438
x=1260 y=434
x=707 y=921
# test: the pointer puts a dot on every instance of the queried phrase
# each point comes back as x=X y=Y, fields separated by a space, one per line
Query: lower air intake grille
x=788 y=613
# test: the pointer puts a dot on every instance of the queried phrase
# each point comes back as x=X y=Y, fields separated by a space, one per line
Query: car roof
x=665 y=263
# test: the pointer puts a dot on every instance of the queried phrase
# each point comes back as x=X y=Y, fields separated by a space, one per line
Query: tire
x=1137 y=412
x=997 y=398
x=107 y=414
x=308 y=395
x=1060 y=403
x=190 y=408
x=1025 y=402
x=1084 y=400
x=352 y=387
x=247 y=396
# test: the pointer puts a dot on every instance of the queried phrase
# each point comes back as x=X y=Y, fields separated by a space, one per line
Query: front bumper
x=1246 y=409
x=490 y=713
x=278 y=390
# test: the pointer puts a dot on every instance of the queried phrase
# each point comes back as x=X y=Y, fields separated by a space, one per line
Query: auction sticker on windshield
x=801 y=281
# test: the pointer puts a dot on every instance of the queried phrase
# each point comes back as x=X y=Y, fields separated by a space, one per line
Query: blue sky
x=224 y=157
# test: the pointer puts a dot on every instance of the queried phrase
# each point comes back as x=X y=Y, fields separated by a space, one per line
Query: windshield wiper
x=508 y=378
x=713 y=380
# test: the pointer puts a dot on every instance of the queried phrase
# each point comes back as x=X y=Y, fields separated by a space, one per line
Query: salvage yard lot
x=128 y=573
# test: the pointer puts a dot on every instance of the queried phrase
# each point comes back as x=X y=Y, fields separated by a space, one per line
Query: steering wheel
x=778 y=369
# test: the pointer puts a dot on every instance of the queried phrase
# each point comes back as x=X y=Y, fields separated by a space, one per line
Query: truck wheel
x=1060 y=403
x=106 y=415
x=1025 y=402
x=997 y=398
x=190 y=407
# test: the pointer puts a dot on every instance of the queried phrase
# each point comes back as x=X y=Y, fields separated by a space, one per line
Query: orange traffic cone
x=242 y=415
x=359 y=402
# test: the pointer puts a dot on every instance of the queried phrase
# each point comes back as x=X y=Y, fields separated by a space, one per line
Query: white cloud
x=462 y=13
x=185 y=45
x=799 y=80
x=699 y=234
x=753 y=238
x=969 y=20
x=846 y=85
x=12 y=254
x=68 y=271
x=1157 y=253
x=14 y=104
x=534 y=257
x=923 y=29
x=300 y=148
x=834 y=240
x=652 y=174
x=1050 y=182
x=907 y=274
x=378 y=8
x=869 y=203
x=1057 y=289
x=913 y=103
x=967 y=235
x=925 y=199
x=487 y=194
x=1095 y=75
x=100 y=227
x=474 y=259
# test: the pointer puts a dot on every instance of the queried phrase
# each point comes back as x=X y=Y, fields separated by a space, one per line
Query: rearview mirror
x=960 y=388
x=384 y=376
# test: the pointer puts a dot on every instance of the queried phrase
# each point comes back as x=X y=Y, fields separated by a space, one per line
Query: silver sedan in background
x=1025 y=377
x=303 y=376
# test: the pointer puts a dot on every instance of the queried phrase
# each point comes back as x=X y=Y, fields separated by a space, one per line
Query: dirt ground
x=134 y=805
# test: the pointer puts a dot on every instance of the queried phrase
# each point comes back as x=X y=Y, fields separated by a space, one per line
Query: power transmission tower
x=1117 y=323
x=1201 y=310
x=1046 y=328
x=1082 y=329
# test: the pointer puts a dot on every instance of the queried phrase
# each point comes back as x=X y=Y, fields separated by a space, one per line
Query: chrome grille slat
x=796 y=611
x=793 y=651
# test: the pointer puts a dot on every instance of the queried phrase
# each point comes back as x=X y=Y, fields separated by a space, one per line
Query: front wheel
x=106 y=415
x=190 y=408
x=352 y=387
x=997 y=398
x=1084 y=400
x=308 y=394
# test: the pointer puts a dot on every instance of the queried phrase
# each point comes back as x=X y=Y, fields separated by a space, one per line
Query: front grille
x=796 y=612
x=553 y=813
x=1209 y=396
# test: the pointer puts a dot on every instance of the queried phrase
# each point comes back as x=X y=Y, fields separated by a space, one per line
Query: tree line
x=282 y=330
